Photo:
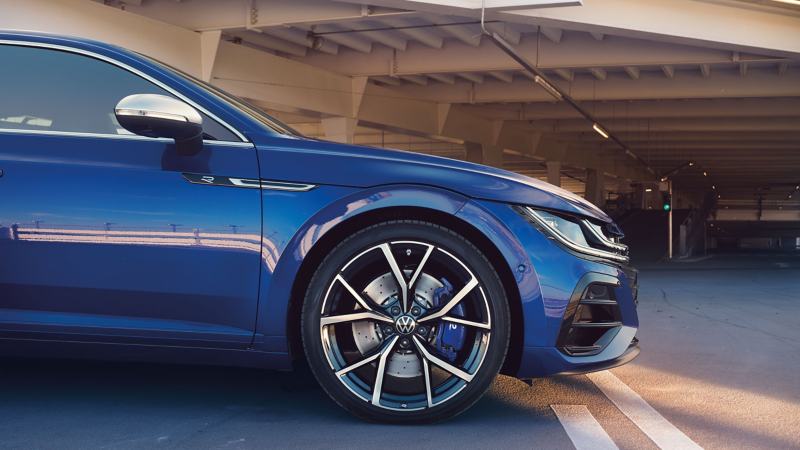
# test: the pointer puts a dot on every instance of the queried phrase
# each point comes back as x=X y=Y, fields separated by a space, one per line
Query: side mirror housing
x=154 y=115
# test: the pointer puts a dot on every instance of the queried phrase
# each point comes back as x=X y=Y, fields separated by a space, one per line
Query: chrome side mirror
x=165 y=117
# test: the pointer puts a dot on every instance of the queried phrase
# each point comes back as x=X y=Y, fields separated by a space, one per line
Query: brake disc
x=367 y=335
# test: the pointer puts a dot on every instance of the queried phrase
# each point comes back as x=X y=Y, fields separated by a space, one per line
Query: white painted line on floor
x=582 y=428
x=653 y=424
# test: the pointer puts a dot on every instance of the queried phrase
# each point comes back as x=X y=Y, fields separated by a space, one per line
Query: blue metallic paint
x=158 y=292
x=94 y=237
x=367 y=166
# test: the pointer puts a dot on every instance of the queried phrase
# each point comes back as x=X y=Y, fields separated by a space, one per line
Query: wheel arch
x=425 y=213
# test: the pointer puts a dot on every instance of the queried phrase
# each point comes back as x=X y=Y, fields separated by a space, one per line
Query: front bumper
x=627 y=356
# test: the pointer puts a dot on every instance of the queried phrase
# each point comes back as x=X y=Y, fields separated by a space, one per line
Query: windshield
x=273 y=124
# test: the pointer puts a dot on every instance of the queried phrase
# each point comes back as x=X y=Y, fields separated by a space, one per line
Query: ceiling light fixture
x=648 y=190
x=548 y=87
x=600 y=130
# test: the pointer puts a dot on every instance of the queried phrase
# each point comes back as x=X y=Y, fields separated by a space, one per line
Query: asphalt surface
x=720 y=362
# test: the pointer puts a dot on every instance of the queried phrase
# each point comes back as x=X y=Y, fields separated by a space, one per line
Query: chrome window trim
x=133 y=71
x=133 y=137
x=557 y=235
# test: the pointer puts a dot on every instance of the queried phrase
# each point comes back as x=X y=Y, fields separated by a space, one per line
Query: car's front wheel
x=405 y=322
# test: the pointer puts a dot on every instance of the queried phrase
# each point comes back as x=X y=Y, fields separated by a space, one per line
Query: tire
x=417 y=356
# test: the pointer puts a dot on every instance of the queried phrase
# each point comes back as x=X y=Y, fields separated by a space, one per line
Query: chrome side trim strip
x=557 y=235
x=284 y=186
x=247 y=183
x=132 y=137
x=129 y=69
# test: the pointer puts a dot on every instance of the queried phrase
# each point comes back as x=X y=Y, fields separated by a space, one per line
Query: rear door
x=102 y=235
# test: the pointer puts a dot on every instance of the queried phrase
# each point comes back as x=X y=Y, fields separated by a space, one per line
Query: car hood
x=312 y=161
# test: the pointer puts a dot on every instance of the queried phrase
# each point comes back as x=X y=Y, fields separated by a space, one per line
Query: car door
x=102 y=235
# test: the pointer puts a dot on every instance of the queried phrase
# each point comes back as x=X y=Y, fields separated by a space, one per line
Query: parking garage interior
x=679 y=119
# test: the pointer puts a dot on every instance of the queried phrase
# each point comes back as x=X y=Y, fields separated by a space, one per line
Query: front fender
x=302 y=217
x=487 y=218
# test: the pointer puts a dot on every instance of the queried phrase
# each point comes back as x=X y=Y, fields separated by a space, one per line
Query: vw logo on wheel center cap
x=405 y=324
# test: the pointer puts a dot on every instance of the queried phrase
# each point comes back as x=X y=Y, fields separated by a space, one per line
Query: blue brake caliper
x=450 y=336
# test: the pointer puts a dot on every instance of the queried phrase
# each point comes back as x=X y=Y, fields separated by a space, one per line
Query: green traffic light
x=666 y=207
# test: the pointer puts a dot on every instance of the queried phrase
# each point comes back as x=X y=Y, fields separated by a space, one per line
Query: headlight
x=569 y=230
x=577 y=234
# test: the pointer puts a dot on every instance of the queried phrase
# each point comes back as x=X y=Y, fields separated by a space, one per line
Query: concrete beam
x=387 y=39
x=580 y=51
x=268 y=41
x=619 y=86
x=419 y=34
x=689 y=22
x=595 y=190
x=209 y=42
x=554 y=173
x=204 y=15
x=458 y=31
x=647 y=109
x=672 y=125
x=97 y=21
x=340 y=129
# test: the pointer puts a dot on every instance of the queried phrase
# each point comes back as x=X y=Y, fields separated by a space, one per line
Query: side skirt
x=26 y=348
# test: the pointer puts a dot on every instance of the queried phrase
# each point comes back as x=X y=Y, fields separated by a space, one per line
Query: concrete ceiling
x=716 y=83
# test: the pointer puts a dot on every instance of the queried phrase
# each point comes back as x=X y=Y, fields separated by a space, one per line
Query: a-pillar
x=340 y=129
x=485 y=154
x=594 y=187
x=554 y=173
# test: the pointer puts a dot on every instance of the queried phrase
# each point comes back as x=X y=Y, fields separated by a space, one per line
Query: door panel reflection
x=106 y=227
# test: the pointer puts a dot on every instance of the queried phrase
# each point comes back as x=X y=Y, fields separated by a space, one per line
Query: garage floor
x=720 y=362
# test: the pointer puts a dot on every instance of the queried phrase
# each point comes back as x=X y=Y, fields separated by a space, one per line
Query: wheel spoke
x=444 y=365
x=376 y=391
x=470 y=323
x=367 y=359
x=398 y=274
x=364 y=315
x=453 y=301
x=419 y=267
x=427 y=371
x=355 y=294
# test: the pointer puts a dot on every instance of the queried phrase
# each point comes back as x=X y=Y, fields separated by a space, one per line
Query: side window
x=52 y=90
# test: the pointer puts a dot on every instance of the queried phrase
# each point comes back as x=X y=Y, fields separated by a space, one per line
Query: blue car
x=146 y=215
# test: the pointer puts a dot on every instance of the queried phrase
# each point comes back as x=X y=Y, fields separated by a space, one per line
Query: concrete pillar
x=340 y=129
x=474 y=152
x=622 y=187
x=554 y=173
x=485 y=154
x=638 y=196
x=594 y=187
